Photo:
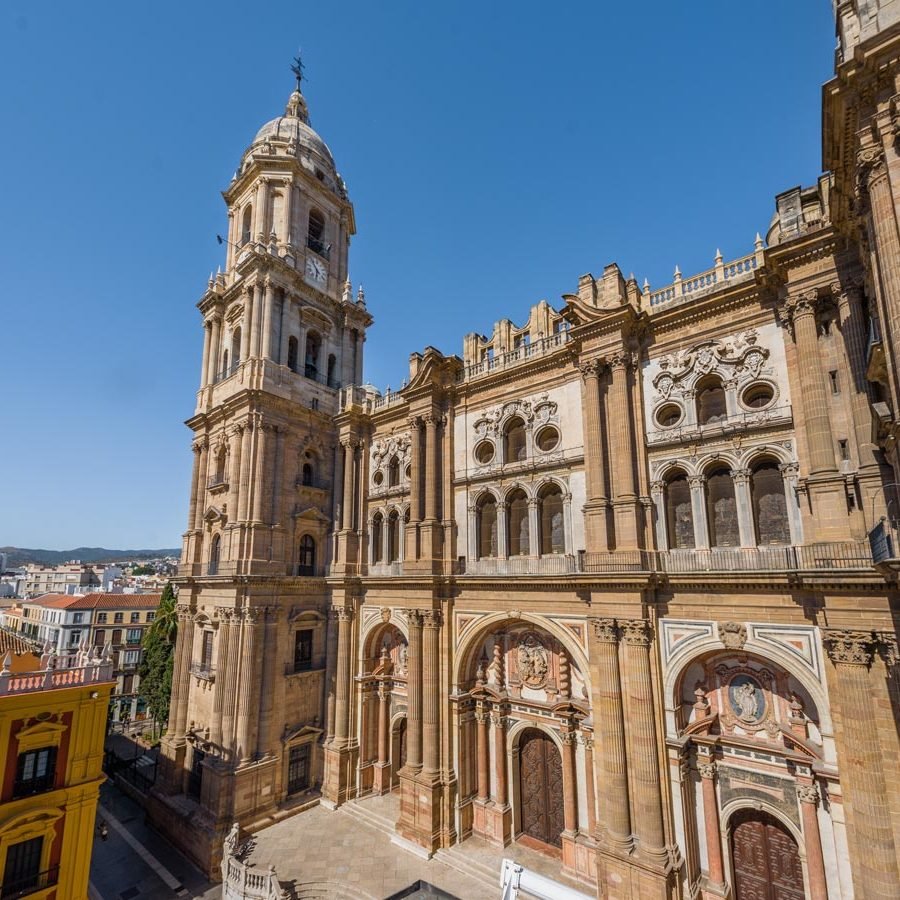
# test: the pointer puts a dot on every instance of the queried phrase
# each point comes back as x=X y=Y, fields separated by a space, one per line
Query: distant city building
x=66 y=625
x=52 y=729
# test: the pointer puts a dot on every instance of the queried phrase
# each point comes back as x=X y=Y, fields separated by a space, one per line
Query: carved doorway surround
x=765 y=858
x=541 y=788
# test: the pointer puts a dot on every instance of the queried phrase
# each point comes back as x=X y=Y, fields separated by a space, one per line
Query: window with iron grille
x=36 y=772
x=303 y=640
x=133 y=636
x=22 y=873
x=206 y=650
x=298 y=769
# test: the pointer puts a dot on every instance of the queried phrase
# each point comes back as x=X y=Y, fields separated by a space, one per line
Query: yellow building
x=52 y=727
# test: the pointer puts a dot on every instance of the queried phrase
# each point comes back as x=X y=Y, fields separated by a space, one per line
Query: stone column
x=789 y=474
x=597 y=538
x=243 y=508
x=349 y=479
x=268 y=316
x=384 y=723
x=200 y=502
x=715 y=864
x=502 y=531
x=431 y=468
x=570 y=782
x=499 y=723
x=431 y=657
x=621 y=453
x=588 y=741
x=227 y=677
x=261 y=194
x=862 y=765
x=257 y=318
x=658 y=495
x=697 y=485
x=482 y=755
x=287 y=237
x=224 y=635
x=411 y=534
x=808 y=795
x=615 y=805
x=234 y=471
x=802 y=312
x=414 y=691
x=247 y=331
x=196 y=447
x=181 y=672
x=215 y=353
x=204 y=368
x=534 y=528
x=741 y=481
x=648 y=821
x=259 y=480
x=342 y=678
x=248 y=687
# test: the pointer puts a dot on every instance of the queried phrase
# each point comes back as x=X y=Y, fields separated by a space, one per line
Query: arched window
x=679 y=513
x=307 y=562
x=332 y=365
x=313 y=345
x=721 y=509
x=247 y=224
x=221 y=459
x=393 y=472
x=315 y=231
x=770 y=515
x=553 y=527
x=517 y=524
x=214 y=556
x=236 y=347
x=306 y=474
x=377 y=538
x=225 y=364
x=276 y=209
x=393 y=536
x=514 y=441
x=711 y=402
x=486 y=525
x=292 y=354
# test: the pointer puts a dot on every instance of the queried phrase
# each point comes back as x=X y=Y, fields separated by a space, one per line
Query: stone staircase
x=457 y=858
x=374 y=817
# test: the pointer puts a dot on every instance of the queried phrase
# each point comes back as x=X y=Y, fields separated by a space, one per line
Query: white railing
x=520 y=565
x=777 y=415
x=52 y=678
x=386 y=568
x=369 y=401
x=721 y=274
x=534 y=350
x=243 y=881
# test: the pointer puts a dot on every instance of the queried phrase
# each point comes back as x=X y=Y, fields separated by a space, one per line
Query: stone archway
x=765 y=858
x=541 y=789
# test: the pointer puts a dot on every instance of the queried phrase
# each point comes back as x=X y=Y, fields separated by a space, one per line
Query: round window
x=758 y=395
x=484 y=452
x=669 y=415
x=378 y=479
x=547 y=439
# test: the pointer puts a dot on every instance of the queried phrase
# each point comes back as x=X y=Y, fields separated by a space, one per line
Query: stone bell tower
x=282 y=336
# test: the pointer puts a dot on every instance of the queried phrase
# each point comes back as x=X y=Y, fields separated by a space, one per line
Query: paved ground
x=134 y=862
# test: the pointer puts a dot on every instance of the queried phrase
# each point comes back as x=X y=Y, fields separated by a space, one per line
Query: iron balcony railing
x=29 y=884
x=203 y=670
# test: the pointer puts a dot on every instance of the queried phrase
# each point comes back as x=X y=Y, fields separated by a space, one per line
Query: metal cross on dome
x=297 y=69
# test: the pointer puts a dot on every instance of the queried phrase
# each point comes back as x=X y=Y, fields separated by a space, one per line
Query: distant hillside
x=19 y=556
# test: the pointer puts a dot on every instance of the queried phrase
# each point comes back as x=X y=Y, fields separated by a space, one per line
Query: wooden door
x=765 y=858
x=541 y=788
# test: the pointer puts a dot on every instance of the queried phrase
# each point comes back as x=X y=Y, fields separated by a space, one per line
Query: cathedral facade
x=619 y=582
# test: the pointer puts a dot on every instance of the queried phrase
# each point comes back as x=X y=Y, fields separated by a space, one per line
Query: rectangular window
x=303 y=650
x=117 y=636
x=118 y=618
x=833 y=378
x=101 y=618
x=298 y=769
x=206 y=650
x=78 y=618
x=845 y=449
x=99 y=637
x=75 y=639
x=135 y=617
x=133 y=636
x=132 y=657
x=151 y=616
x=22 y=873
x=36 y=772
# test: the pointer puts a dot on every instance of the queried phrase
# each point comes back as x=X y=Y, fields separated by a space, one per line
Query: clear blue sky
x=493 y=151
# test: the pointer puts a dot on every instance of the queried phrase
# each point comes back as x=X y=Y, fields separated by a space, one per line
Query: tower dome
x=290 y=134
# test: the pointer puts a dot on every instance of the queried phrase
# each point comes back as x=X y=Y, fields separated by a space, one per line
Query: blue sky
x=493 y=151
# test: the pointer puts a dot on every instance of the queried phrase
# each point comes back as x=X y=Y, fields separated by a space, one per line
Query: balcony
x=23 y=788
x=517 y=356
x=29 y=884
x=520 y=565
x=203 y=671
x=217 y=483
x=386 y=569
x=764 y=418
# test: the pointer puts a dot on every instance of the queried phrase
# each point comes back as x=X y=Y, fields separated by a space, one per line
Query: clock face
x=315 y=270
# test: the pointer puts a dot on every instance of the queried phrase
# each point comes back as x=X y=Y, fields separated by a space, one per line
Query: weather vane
x=297 y=69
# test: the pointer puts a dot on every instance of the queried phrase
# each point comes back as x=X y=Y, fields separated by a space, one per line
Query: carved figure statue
x=531 y=656
x=746 y=700
x=231 y=840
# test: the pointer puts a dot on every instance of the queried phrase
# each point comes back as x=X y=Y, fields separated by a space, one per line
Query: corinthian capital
x=606 y=630
x=343 y=613
x=849 y=648
x=414 y=422
x=808 y=793
x=637 y=632
x=870 y=164
x=413 y=617
x=592 y=368
x=432 y=618
x=622 y=360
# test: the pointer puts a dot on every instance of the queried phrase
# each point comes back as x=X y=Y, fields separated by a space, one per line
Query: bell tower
x=283 y=337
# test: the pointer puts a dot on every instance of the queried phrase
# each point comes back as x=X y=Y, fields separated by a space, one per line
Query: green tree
x=158 y=658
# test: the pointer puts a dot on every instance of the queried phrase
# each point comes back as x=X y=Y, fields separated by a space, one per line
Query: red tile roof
x=98 y=601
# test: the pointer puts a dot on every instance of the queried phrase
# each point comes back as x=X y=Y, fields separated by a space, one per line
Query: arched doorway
x=765 y=858
x=540 y=788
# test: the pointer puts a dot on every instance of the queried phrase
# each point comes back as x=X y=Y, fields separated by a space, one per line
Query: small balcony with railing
x=30 y=883
x=203 y=670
